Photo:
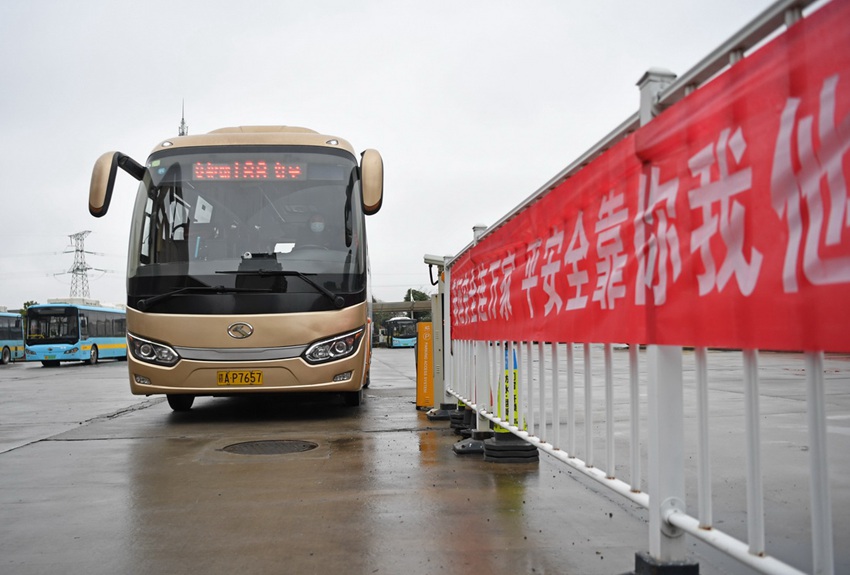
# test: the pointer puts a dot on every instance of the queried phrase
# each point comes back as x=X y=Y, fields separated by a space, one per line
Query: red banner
x=723 y=222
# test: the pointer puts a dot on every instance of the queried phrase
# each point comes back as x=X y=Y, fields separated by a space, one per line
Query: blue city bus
x=401 y=332
x=59 y=332
x=11 y=337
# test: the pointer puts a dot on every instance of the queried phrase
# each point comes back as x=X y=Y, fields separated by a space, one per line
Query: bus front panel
x=218 y=355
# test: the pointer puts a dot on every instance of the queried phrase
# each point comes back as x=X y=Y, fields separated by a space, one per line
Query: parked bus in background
x=57 y=332
x=401 y=332
x=248 y=265
x=11 y=337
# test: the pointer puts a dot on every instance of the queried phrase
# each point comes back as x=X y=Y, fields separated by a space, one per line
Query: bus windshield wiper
x=337 y=300
x=148 y=302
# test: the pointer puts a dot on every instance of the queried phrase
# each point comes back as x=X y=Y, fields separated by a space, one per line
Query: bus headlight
x=335 y=348
x=151 y=352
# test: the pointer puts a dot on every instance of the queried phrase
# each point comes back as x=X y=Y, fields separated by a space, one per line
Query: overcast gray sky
x=474 y=105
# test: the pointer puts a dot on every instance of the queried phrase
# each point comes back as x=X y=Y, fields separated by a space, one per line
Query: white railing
x=612 y=411
x=564 y=392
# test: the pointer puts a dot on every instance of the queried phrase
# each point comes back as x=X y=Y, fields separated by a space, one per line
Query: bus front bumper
x=226 y=378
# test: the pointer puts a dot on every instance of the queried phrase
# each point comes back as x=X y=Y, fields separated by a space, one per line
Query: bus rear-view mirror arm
x=103 y=179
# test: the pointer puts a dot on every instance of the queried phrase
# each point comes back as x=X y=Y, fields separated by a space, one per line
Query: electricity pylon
x=79 y=271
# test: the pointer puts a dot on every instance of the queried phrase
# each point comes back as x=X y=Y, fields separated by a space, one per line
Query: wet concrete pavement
x=94 y=480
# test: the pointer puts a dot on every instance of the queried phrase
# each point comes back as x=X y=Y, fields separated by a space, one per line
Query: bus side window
x=84 y=327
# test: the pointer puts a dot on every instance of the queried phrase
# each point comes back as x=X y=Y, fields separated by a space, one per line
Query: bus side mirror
x=372 y=181
x=103 y=179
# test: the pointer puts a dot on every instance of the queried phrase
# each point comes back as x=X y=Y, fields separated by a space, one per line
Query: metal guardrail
x=474 y=372
x=544 y=412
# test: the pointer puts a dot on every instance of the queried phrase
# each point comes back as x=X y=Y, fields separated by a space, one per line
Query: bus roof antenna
x=184 y=129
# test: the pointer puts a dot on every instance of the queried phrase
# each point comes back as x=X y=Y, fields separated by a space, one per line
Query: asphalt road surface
x=95 y=480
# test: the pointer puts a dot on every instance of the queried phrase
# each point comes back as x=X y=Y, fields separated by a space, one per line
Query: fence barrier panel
x=723 y=200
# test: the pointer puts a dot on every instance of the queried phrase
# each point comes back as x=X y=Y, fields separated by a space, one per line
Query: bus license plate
x=254 y=377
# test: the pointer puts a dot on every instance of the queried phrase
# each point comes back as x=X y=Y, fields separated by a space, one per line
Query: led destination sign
x=248 y=170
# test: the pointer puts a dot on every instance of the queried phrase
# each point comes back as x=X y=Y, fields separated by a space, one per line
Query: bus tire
x=93 y=358
x=180 y=402
x=5 y=356
x=353 y=398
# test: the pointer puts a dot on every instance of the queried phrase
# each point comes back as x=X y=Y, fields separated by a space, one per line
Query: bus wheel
x=353 y=398
x=93 y=359
x=6 y=356
x=180 y=402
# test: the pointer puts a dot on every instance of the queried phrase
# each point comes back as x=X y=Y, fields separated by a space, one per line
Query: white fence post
x=482 y=378
x=665 y=397
x=634 y=399
x=439 y=389
x=588 y=408
x=449 y=377
x=666 y=452
x=823 y=562
x=755 y=488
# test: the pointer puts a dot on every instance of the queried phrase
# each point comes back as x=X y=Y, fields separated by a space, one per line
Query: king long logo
x=240 y=330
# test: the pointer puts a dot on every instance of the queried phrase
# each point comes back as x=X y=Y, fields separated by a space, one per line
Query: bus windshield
x=52 y=325
x=404 y=328
x=261 y=219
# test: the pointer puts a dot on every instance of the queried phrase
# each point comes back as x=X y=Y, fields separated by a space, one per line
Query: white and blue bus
x=59 y=332
x=401 y=332
x=11 y=337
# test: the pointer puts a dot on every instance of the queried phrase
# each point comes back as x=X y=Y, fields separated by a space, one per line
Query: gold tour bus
x=247 y=268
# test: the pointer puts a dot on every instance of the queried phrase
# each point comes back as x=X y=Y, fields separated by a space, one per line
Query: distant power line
x=40 y=254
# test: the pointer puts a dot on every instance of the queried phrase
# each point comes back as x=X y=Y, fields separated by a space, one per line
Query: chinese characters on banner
x=725 y=221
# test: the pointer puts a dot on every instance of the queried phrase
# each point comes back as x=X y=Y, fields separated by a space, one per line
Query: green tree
x=416 y=295
x=27 y=305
